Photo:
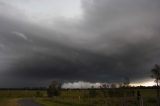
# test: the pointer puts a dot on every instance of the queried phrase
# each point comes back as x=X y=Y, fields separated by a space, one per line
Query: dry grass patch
x=9 y=102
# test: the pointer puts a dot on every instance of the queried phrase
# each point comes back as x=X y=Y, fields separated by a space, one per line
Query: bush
x=54 y=89
x=39 y=94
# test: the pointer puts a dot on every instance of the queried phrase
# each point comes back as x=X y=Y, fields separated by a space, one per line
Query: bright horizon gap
x=147 y=83
x=83 y=84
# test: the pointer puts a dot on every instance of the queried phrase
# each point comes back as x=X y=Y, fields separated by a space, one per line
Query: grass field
x=9 y=102
x=108 y=97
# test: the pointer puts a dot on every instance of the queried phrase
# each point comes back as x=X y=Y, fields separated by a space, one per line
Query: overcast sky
x=77 y=40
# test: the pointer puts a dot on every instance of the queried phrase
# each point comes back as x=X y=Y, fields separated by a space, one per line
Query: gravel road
x=28 y=102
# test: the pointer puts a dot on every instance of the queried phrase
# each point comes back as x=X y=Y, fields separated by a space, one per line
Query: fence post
x=141 y=101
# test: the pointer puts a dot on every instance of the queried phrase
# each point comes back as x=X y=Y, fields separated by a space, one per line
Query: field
x=103 y=97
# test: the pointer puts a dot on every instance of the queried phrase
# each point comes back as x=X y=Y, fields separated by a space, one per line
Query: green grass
x=112 y=97
x=84 y=102
x=9 y=102
x=20 y=93
x=108 y=97
x=11 y=97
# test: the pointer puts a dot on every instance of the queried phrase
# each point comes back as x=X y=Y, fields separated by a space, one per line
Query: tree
x=54 y=89
x=156 y=75
x=113 y=85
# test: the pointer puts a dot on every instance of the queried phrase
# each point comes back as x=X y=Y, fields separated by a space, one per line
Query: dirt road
x=28 y=102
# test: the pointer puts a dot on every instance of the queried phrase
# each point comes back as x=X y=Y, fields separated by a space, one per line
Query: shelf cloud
x=110 y=40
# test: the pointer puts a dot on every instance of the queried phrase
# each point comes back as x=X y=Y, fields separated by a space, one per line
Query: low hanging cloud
x=111 y=40
x=81 y=84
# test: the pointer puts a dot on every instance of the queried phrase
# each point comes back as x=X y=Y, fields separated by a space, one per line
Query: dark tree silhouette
x=54 y=89
x=156 y=75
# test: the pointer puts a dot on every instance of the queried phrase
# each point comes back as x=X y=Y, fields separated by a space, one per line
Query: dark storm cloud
x=113 y=40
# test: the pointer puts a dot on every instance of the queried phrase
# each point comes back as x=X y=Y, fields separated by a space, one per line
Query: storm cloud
x=110 y=40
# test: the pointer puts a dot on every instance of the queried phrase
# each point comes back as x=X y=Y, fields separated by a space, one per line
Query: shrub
x=54 y=89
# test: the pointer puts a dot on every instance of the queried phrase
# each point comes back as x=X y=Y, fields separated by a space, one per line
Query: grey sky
x=90 y=40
